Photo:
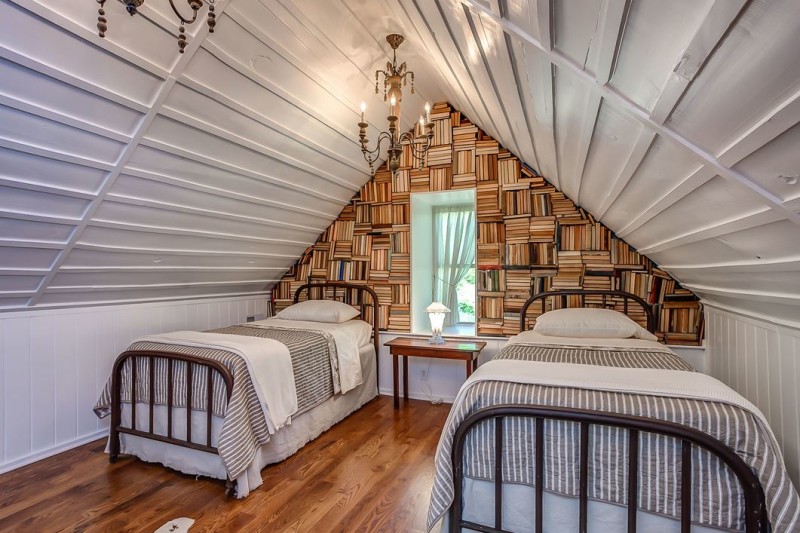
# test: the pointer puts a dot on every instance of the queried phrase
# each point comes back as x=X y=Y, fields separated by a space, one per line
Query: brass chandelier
x=132 y=7
x=393 y=77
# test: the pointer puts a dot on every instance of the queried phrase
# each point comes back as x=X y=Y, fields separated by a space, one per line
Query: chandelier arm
x=181 y=17
x=372 y=155
x=419 y=144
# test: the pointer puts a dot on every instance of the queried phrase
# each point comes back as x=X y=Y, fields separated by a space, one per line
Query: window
x=443 y=247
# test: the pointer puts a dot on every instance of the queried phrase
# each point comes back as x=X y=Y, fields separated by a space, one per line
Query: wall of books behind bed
x=531 y=238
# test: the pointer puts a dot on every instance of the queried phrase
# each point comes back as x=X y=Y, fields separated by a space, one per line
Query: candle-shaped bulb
x=392 y=103
x=363 y=109
x=427 y=111
x=421 y=123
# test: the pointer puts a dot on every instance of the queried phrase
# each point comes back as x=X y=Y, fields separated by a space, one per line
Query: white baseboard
x=418 y=395
x=49 y=452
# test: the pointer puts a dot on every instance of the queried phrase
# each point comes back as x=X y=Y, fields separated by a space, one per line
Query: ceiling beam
x=144 y=125
x=459 y=25
x=783 y=264
x=216 y=163
x=288 y=131
x=540 y=76
x=61 y=289
x=208 y=213
x=740 y=223
x=745 y=294
x=709 y=35
x=175 y=181
x=410 y=10
x=261 y=148
x=564 y=63
x=774 y=123
x=56 y=155
x=167 y=252
x=49 y=189
x=607 y=36
x=61 y=118
x=166 y=230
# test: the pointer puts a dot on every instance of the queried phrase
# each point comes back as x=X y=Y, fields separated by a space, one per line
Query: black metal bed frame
x=607 y=299
x=755 y=508
x=212 y=369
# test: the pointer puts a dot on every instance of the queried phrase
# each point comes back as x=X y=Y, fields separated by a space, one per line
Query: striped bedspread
x=313 y=355
x=717 y=498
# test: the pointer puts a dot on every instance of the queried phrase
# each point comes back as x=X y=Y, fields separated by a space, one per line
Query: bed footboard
x=194 y=366
x=755 y=508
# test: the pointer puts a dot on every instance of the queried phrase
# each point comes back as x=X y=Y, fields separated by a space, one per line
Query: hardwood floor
x=371 y=472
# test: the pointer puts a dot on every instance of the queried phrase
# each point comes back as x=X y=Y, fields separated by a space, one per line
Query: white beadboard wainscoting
x=445 y=377
x=759 y=359
x=54 y=363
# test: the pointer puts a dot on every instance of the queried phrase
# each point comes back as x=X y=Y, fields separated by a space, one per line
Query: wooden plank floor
x=371 y=472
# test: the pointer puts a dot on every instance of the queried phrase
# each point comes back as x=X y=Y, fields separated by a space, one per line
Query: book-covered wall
x=531 y=238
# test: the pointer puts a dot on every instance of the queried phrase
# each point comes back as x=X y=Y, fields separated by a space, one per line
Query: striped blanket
x=716 y=496
x=313 y=355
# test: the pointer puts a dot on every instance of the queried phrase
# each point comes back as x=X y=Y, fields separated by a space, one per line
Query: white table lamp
x=436 y=312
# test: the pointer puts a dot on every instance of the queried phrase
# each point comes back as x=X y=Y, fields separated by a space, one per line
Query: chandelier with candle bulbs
x=419 y=140
x=132 y=7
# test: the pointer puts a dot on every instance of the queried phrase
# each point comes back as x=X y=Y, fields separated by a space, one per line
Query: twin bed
x=587 y=424
x=228 y=402
x=583 y=424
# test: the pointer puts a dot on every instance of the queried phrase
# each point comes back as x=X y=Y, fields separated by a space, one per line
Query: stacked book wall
x=531 y=238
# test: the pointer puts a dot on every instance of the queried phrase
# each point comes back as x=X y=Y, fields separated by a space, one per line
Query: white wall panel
x=759 y=360
x=444 y=379
x=54 y=364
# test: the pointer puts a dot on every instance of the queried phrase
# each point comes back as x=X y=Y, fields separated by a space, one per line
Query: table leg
x=405 y=377
x=394 y=379
x=469 y=368
x=475 y=363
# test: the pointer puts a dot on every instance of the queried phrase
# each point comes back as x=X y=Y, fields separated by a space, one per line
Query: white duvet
x=349 y=337
x=268 y=362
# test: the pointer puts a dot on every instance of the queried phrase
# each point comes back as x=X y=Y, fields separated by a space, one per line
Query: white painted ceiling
x=129 y=172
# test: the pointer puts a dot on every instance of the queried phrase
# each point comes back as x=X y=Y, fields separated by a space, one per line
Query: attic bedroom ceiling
x=130 y=172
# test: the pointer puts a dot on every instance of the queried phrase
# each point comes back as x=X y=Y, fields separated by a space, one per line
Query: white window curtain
x=454 y=240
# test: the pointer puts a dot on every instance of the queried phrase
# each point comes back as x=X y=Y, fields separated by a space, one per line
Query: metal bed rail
x=755 y=508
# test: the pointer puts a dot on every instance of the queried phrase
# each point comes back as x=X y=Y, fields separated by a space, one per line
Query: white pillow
x=586 y=322
x=319 y=311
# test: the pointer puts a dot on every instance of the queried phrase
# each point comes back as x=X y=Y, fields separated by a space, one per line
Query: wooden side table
x=406 y=347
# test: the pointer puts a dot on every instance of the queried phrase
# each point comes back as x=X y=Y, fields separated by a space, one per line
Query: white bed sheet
x=282 y=444
x=531 y=337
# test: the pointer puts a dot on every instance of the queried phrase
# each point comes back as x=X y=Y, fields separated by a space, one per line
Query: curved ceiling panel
x=129 y=172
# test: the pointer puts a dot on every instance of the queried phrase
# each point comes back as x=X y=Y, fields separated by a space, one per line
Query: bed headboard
x=618 y=300
x=359 y=296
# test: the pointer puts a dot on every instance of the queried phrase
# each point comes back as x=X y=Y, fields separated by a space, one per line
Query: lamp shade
x=436 y=312
x=437 y=307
